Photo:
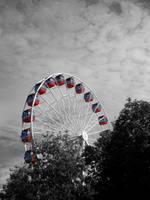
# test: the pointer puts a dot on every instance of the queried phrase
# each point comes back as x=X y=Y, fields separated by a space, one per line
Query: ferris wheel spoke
x=86 y=118
x=63 y=102
x=42 y=106
x=42 y=132
x=91 y=123
x=76 y=109
x=70 y=113
x=90 y=120
x=72 y=109
x=54 y=121
x=60 y=106
x=41 y=129
x=88 y=129
x=46 y=116
x=54 y=110
x=40 y=112
x=42 y=115
x=92 y=115
x=51 y=89
x=40 y=121
x=92 y=140
x=79 y=108
x=51 y=129
x=72 y=104
x=57 y=120
x=93 y=133
x=45 y=123
x=76 y=105
x=55 y=127
x=86 y=113
x=80 y=121
x=73 y=117
x=80 y=115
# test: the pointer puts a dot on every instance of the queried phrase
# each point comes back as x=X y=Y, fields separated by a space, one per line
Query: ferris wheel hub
x=85 y=136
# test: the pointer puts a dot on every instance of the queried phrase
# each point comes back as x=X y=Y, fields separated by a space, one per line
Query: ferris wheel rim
x=54 y=75
x=42 y=81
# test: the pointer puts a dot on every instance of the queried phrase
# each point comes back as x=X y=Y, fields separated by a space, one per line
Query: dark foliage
x=121 y=158
x=117 y=167
x=57 y=176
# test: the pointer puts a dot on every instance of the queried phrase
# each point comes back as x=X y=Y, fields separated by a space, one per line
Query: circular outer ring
x=85 y=137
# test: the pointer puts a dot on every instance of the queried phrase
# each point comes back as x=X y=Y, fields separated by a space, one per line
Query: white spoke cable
x=64 y=105
x=55 y=111
x=91 y=117
x=39 y=120
x=47 y=117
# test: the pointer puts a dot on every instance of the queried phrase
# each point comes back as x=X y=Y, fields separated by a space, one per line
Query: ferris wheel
x=61 y=104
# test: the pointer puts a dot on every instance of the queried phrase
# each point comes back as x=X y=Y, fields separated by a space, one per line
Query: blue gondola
x=70 y=82
x=103 y=120
x=50 y=82
x=88 y=97
x=96 y=107
x=29 y=156
x=79 y=88
x=60 y=80
x=26 y=116
x=42 y=90
x=26 y=135
x=30 y=99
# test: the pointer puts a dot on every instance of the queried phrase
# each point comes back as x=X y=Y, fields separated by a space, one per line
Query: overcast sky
x=105 y=43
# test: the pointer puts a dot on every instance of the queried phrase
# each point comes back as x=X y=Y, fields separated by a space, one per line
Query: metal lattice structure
x=62 y=104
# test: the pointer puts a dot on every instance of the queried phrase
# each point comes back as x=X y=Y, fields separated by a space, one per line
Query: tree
x=58 y=175
x=122 y=157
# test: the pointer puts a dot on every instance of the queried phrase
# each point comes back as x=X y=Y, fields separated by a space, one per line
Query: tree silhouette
x=57 y=175
x=121 y=158
x=118 y=166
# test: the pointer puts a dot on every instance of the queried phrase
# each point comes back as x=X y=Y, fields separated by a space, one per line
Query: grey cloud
x=11 y=151
x=39 y=41
x=116 y=7
x=90 y=2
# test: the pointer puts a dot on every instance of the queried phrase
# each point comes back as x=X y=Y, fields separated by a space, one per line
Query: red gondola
x=88 y=97
x=30 y=99
x=26 y=135
x=26 y=116
x=60 y=80
x=29 y=156
x=70 y=82
x=96 y=107
x=102 y=120
x=79 y=88
x=50 y=82
x=42 y=90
